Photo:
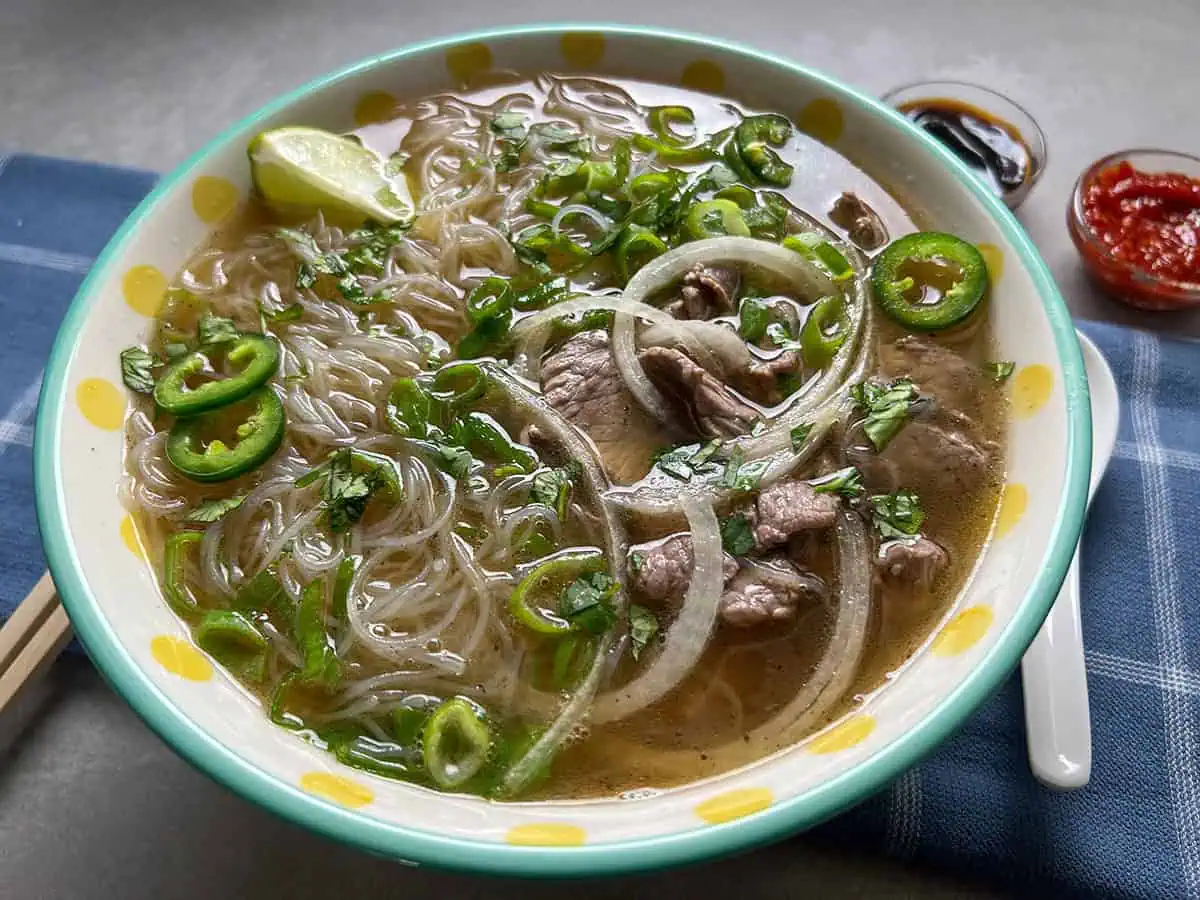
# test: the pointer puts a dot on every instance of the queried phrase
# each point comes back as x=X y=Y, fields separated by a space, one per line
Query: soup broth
x=602 y=470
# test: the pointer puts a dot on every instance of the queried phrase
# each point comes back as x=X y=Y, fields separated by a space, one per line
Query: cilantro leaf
x=212 y=510
x=306 y=276
x=999 y=372
x=847 y=482
x=552 y=487
x=214 y=330
x=737 y=538
x=137 y=370
x=264 y=594
x=753 y=319
x=455 y=460
x=887 y=408
x=346 y=488
x=781 y=337
x=643 y=628
x=897 y=515
x=585 y=602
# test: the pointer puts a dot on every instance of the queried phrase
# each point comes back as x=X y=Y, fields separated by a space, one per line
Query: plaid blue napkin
x=973 y=807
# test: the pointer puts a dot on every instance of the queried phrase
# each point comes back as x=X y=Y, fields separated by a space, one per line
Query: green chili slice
x=713 y=218
x=636 y=247
x=754 y=138
x=258 y=437
x=255 y=356
x=929 y=264
x=174 y=565
x=235 y=642
x=673 y=154
x=739 y=194
x=456 y=742
x=824 y=332
x=535 y=601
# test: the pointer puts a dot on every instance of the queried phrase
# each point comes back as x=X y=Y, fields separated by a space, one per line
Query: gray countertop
x=91 y=803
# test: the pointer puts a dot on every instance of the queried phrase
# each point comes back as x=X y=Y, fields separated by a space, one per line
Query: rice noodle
x=688 y=635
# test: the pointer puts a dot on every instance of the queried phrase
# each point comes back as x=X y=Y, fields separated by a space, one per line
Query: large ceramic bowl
x=148 y=656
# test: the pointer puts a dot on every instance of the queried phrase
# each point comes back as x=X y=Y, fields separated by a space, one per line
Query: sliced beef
x=726 y=357
x=765 y=592
x=705 y=292
x=925 y=457
x=937 y=371
x=704 y=405
x=663 y=570
x=789 y=507
x=580 y=379
x=859 y=221
x=912 y=560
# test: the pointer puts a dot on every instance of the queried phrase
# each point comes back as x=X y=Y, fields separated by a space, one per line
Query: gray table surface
x=91 y=803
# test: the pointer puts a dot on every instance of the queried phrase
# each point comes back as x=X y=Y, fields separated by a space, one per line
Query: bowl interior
x=146 y=652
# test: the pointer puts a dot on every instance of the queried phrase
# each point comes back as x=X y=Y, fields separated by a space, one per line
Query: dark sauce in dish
x=992 y=147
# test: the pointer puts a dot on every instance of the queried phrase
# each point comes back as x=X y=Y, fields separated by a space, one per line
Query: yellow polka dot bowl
x=99 y=565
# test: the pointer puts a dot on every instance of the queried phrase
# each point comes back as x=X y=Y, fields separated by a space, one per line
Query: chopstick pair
x=32 y=638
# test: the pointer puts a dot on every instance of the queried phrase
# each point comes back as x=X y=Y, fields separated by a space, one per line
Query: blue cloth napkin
x=973 y=806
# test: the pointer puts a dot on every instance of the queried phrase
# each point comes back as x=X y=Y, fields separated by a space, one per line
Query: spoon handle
x=1054 y=680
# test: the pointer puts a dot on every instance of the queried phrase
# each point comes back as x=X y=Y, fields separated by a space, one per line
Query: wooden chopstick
x=32 y=638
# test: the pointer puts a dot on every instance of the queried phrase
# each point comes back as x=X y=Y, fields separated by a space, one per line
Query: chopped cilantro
x=214 y=330
x=800 y=435
x=847 y=482
x=212 y=510
x=999 y=372
x=887 y=408
x=137 y=369
x=737 y=538
x=643 y=627
x=585 y=602
x=897 y=515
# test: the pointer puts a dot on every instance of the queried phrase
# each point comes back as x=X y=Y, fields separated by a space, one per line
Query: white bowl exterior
x=128 y=598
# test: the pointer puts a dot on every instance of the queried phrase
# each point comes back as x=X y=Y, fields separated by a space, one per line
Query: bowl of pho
x=556 y=451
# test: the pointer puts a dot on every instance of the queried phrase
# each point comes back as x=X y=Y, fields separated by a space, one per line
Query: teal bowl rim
x=701 y=843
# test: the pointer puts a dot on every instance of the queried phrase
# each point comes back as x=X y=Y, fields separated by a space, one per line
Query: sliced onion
x=528 y=767
x=839 y=663
x=531 y=333
x=603 y=222
x=810 y=278
x=689 y=634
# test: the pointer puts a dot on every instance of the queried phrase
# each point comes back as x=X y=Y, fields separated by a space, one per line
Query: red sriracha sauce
x=1149 y=222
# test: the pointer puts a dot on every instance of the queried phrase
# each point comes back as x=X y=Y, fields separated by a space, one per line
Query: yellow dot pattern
x=1031 y=388
x=1013 y=501
x=213 y=199
x=374 y=107
x=582 y=49
x=144 y=288
x=848 y=734
x=342 y=791
x=101 y=403
x=180 y=658
x=994 y=260
x=467 y=62
x=546 y=834
x=963 y=632
x=734 y=804
x=129 y=536
x=703 y=75
x=822 y=119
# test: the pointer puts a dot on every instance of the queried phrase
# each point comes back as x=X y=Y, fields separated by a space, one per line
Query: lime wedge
x=300 y=170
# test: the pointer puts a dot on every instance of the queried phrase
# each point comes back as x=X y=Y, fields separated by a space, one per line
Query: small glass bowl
x=1125 y=282
x=994 y=106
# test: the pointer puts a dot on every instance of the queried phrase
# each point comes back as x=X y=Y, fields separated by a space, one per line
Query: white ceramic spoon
x=1058 y=728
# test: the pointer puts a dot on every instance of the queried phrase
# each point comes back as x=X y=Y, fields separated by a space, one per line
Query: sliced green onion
x=234 y=641
x=448 y=383
x=321 y=664
x=484 y=435
x=456 y=742
x=636 y=247
x=342 y=580
x=535 y=601
x=714 y=218
x=824 y=332
x=409 y=408
x=179 y=598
